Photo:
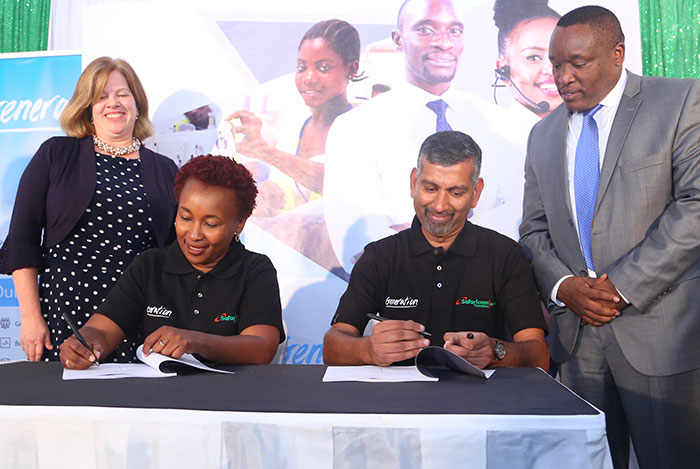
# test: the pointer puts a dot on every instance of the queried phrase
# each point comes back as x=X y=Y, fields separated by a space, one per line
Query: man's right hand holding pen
x=393 y=341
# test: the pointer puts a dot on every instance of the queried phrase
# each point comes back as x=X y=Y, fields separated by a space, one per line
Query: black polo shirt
x=161 y=288
x=483 y=282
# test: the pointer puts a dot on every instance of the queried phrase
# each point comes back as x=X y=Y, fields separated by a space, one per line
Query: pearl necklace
x=114 y=151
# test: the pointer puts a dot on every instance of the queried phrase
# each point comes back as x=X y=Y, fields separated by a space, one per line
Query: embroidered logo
x=224 y=317
x=407 y=302
x=476 y=303
x=158 y=312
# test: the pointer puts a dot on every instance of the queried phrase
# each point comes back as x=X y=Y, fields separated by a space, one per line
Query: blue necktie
x=586 y=177
x=439 y=107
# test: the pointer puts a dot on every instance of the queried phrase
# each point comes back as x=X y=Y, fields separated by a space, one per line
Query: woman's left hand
x=170 y=341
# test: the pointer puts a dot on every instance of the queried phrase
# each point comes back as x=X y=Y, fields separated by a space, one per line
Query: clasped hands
x=595 y=300
x=166 y=340
x=394 y=340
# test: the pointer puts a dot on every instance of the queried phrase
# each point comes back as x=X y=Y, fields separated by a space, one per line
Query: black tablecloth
x=296 y=388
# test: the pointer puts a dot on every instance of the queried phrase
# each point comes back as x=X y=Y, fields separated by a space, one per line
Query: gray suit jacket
x=646 y=227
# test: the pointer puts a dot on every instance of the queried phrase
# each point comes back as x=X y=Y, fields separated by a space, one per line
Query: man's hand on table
x=475 y=347
x=393 y=341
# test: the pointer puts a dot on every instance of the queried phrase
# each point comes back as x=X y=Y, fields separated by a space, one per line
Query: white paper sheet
x=7 y=362
x=114 y=371
x=150 y=368
x=374 y=374
x=154 y=360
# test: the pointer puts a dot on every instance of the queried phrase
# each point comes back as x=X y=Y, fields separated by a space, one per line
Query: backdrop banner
x=322 y=199
x=35 y=89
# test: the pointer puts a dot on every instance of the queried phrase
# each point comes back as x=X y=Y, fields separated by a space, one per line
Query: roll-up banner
x=34 y=89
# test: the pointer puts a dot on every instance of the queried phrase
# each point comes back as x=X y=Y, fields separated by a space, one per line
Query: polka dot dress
x=81 y=269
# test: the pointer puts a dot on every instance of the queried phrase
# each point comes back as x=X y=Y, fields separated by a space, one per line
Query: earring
x=236 y=238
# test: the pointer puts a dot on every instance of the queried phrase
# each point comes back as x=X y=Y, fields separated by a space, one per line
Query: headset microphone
x=503 y=74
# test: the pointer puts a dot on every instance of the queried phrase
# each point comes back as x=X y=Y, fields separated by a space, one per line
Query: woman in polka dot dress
x=99 y=197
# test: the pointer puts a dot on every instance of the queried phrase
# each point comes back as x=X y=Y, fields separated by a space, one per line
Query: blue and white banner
x=35 y=88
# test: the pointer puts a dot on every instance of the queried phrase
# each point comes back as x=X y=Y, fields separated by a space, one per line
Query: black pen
x=379 y=318
x=80 y=338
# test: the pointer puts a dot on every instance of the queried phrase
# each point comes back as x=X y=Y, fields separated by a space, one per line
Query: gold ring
x=67 y=363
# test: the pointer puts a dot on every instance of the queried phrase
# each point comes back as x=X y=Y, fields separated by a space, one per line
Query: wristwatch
x=499 y=351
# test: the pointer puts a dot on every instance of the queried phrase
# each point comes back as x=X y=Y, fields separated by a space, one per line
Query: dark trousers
x=660 y=413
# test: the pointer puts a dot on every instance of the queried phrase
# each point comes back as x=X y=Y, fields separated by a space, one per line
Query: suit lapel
x=560 y=179
x=626 y=112
x=557 y=178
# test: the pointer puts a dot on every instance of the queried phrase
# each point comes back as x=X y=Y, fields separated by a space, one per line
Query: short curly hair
x=220 y=171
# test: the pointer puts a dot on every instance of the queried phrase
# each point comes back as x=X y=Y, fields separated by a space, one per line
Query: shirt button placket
x=199 y=294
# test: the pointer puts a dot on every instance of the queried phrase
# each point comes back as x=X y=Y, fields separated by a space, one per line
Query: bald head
x=400 y=15
x=412 y=5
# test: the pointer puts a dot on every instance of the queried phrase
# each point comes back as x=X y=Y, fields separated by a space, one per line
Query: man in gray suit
x=612 y=222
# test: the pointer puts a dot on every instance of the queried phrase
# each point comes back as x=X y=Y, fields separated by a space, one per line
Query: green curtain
x=670 y=32
x=24 y=25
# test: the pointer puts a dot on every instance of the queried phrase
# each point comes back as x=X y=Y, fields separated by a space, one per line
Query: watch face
x=499 y=351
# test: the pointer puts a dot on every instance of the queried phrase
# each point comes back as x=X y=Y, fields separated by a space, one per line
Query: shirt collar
x=463 y=245
x=176 y=262
x=419 y=95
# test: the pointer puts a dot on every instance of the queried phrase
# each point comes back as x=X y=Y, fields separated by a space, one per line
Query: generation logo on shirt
x=475 y=302
x=406 y=302
x=225 y=317
x=158 y=312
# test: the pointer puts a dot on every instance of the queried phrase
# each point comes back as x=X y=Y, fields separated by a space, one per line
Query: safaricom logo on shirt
x=475 y=303
x=158 y=311
x=407 y=302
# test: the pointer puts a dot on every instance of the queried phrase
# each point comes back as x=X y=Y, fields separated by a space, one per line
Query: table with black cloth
x=285 y=416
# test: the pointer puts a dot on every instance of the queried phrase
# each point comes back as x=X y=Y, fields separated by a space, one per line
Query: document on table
x=432 y=356
x=155 y=366
x=429 y=356
x=374 y=374
x=114 y=371
x=7 y=362
x=161 y=362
